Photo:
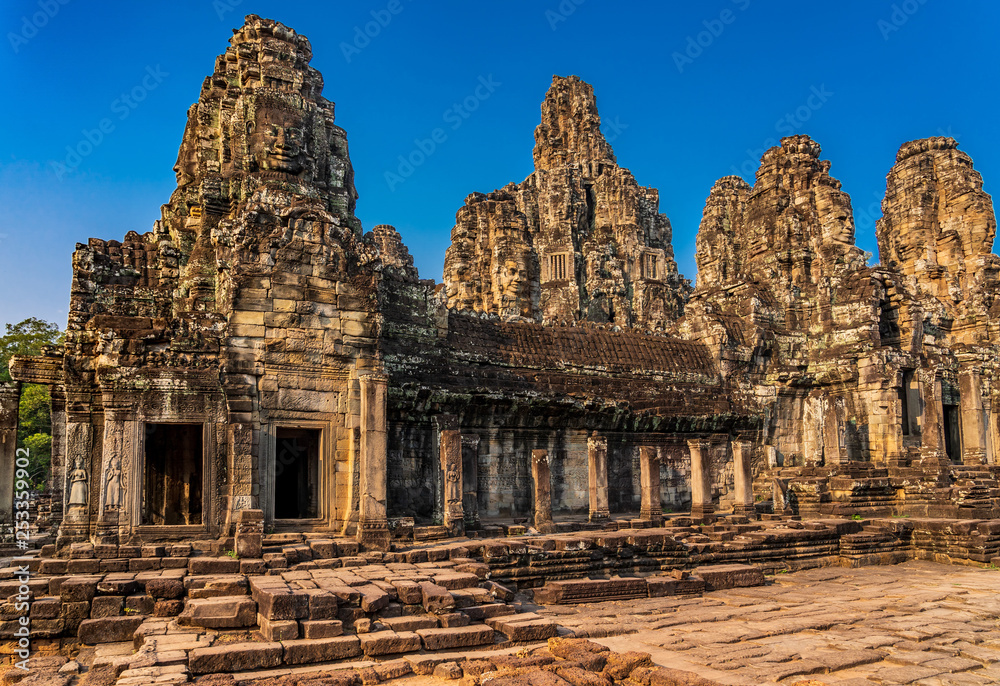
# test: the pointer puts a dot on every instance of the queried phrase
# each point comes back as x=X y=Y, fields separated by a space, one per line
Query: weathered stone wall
x=257 y=306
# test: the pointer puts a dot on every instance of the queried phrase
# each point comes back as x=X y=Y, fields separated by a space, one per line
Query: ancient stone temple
x=257 y=350
x=578 y=240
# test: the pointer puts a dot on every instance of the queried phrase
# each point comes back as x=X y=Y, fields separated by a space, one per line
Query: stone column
x=10 y=396
x=352 y=498
x=450 y=451
x=651 y=505
x=813 y=416
x=470 y=480
x=75 y=526
x=249 y=539
x=118 y=483
x=833 y=450
x=597 y=471
x=701 y=479
x=973 y=420
x=373 y=524
x=542 y=477
x=57 y=475
x=932 y=448
x=779 y=498
x=244 y=493
x=743 y=480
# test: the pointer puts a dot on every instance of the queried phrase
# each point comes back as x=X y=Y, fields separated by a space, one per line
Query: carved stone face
x=511 y=286
x=835 y=216
x=277 y=140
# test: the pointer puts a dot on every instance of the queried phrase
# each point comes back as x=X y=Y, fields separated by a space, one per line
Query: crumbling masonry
x=257 y=351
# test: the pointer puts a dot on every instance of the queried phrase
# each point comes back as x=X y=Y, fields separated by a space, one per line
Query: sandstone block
x=389 y=643
x=456 y=637
x=108 y=629
x=306 y=651
x=235 y=657
x=231 y=612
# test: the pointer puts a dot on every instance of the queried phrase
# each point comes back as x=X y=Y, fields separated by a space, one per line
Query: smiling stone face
x=836 y=217
x=276 y=139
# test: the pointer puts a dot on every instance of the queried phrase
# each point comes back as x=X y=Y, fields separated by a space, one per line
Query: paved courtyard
x=918 y=622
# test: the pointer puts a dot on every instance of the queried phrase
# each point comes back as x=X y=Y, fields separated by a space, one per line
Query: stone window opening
x=557 y=267
x=650 y=266
x=172 y=489
x=296 y=473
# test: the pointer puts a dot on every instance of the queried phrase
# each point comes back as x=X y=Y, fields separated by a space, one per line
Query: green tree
x=25 y=338
x=34 y=431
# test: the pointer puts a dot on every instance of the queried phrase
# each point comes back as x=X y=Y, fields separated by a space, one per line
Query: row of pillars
x=651 y=505
x=372 y=511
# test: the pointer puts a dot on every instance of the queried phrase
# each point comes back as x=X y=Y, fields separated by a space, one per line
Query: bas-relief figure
x=79 y=489
x=112 y=494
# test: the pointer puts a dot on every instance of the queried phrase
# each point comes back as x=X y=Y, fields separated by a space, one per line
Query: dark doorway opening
x=470 y=482
x=909 y=399
x=296 y=474
x=173 y=475
x=952 y=437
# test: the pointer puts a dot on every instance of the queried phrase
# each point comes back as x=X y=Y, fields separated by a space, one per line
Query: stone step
x=223 y=612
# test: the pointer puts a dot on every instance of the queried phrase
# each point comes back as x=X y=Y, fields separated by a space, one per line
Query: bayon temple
x=257 y=350
x=265 y=421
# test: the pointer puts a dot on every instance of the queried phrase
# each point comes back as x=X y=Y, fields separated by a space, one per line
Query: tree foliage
x=34 y=430
x=26 y=338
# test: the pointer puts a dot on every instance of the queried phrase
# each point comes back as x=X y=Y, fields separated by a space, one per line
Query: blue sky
x=689 y=92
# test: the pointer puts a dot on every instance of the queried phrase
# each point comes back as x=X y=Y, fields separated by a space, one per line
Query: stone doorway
x=952 y=433
x=296 y=473
x=173 y=475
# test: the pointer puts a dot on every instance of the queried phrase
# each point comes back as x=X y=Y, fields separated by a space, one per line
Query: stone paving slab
x=919 y=622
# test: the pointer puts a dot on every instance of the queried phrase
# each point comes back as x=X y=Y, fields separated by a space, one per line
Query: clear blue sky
x=889 y=71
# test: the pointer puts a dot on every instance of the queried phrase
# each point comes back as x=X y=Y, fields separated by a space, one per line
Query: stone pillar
x=701 y=479
x=79 y=453
x=373 y=524
x=743 y=480
x=813 y=416
x=542 y=477
x=244 y=493
x=117 y=483
x=352 y=498
x=57 y=475
x=779 y=498
x=973 y=419
x=932 y=448
x=833 y=448
x=470 y=480
x=10 y=396
x=249 y=534
x=651 y=505
x=597 y=471
x=450 y=451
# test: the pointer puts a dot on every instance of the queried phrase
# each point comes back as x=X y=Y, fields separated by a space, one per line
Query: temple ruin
x=265 y=423
x=258 y=350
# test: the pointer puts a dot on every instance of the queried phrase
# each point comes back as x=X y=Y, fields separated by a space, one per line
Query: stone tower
x=578 y=240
